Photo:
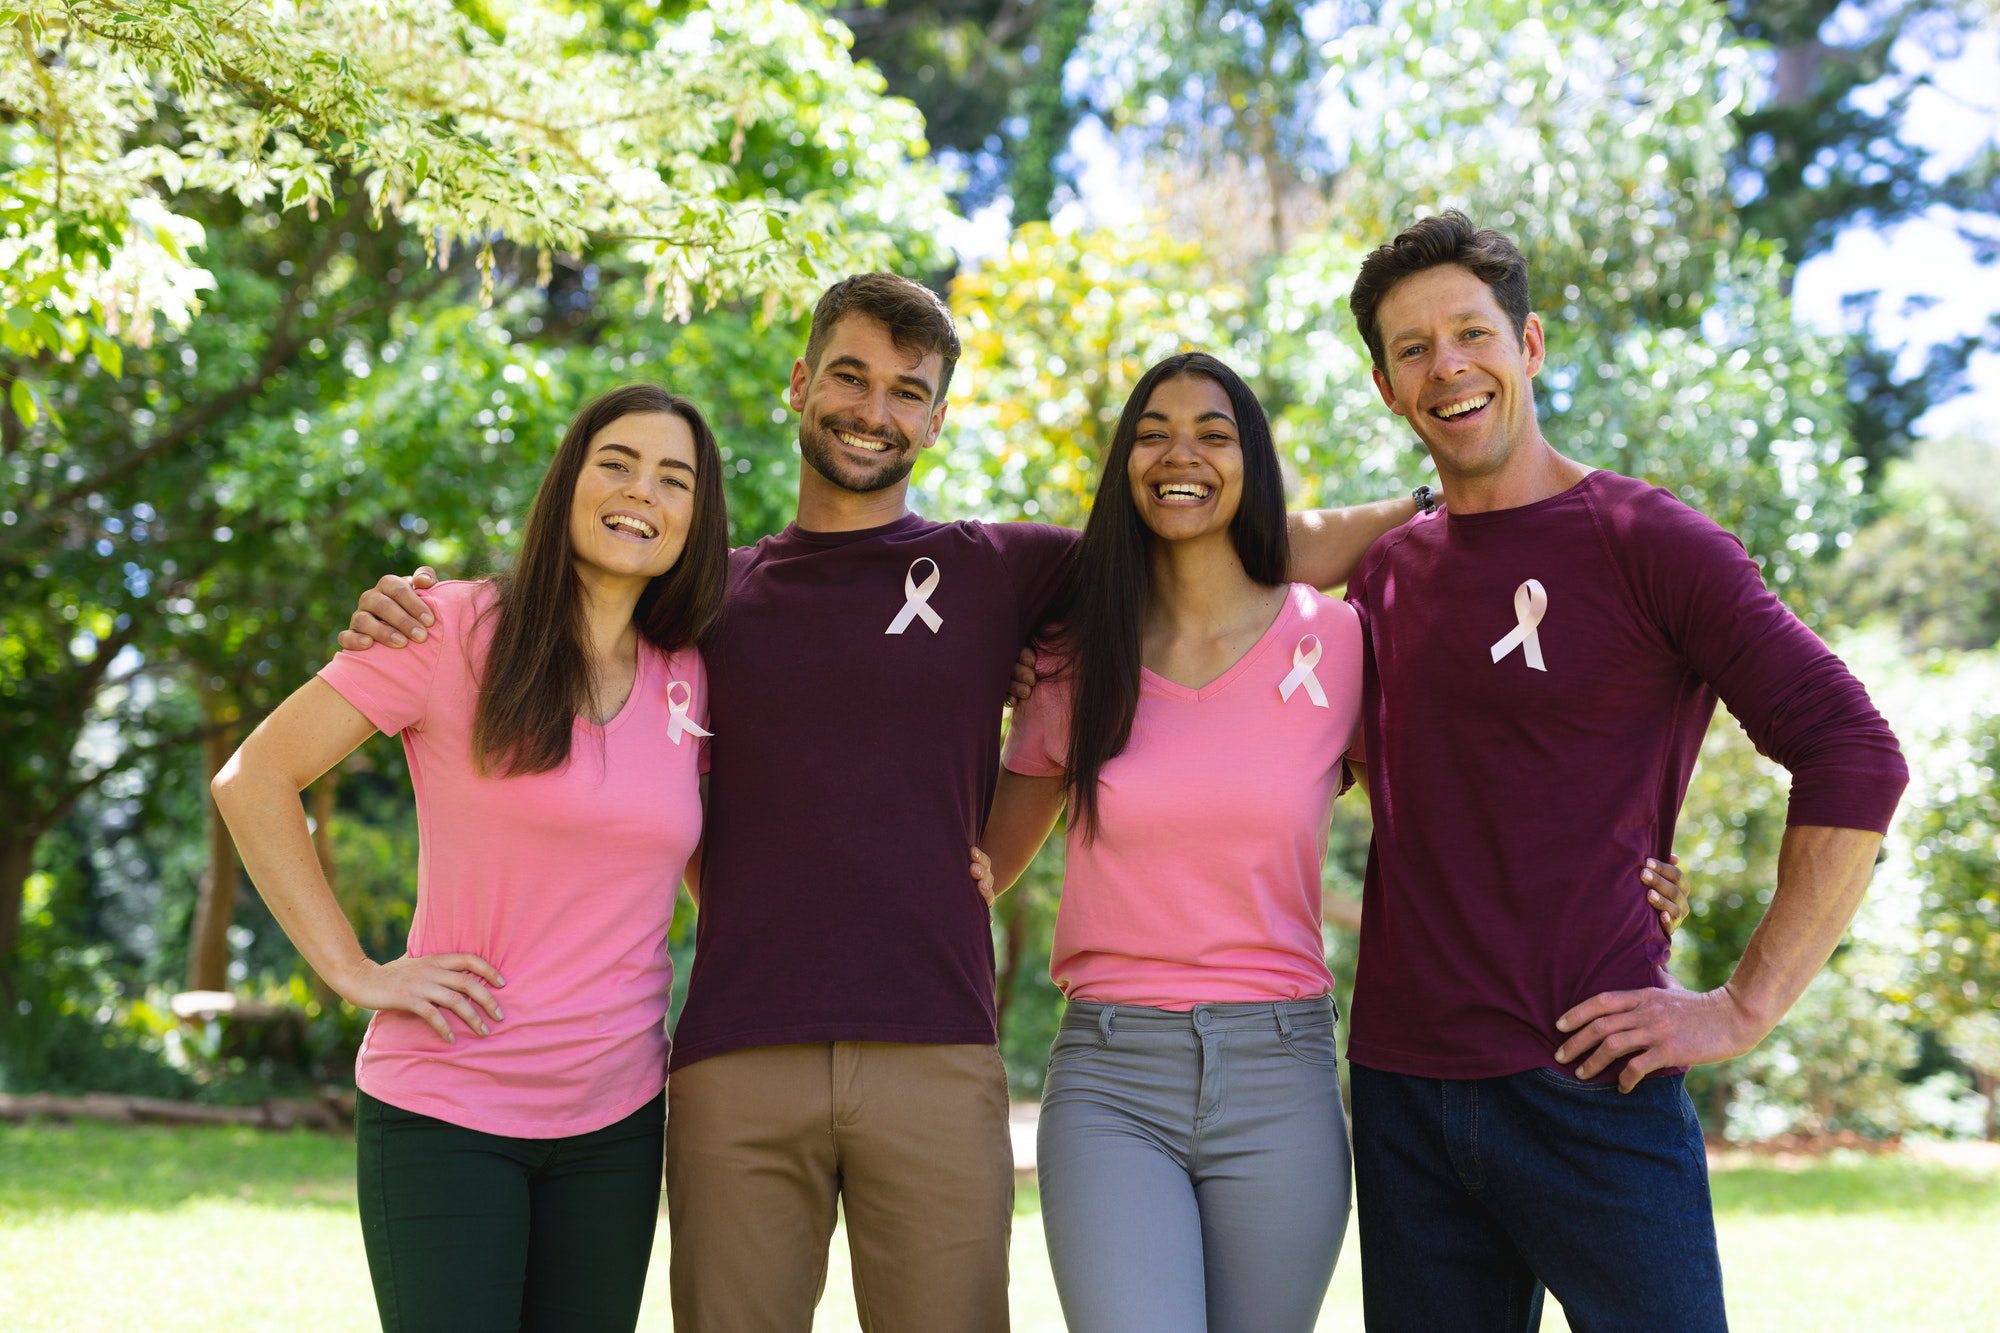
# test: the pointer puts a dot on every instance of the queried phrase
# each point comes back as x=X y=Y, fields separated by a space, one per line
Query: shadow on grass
x=1854 y=1183
x=55 y=1168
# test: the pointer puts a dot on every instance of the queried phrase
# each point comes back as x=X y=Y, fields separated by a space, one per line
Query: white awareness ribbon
x=1303 y=662
x=1531 y=603
x=678 y=722
x=917 y=599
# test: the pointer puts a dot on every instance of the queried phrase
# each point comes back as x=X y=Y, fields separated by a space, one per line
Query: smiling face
x=634 y=497
x=868 y=409
x=1457 y=372
x=1186 y=465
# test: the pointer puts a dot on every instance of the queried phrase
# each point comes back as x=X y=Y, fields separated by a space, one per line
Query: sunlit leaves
x=471 y=136
x=1056 y=331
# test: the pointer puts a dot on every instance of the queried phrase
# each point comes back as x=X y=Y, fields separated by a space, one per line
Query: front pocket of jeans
x=1314 y=1046
x=1570 y=1084
x=1069 y=1044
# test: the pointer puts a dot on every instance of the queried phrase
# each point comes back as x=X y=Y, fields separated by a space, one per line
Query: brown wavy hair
x=1447 y=238
x=538 y=670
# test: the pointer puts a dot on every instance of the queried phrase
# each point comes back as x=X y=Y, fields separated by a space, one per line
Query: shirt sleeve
x=1038 y=738
x=1037 y=557
x=392 y=686
x=1799 y=703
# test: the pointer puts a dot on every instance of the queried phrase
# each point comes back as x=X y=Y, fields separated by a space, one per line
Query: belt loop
x=1284 y=1022
x=1104 y=1024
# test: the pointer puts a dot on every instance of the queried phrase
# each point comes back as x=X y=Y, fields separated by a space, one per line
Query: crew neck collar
x=1587 y=481
x=808 y=537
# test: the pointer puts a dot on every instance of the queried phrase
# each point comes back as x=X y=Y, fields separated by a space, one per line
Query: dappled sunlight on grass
x=165 y=1229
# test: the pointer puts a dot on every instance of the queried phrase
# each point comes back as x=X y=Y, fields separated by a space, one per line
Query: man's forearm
x=1327 y=544
x=1822 y=874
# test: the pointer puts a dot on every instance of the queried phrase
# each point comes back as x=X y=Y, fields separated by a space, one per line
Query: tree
x=988 y=77
x=1229 y=88
x=467 y=136
x=1825 y=148
x=1598 y=137
x=1930 y=562
x=1056 y=332
x=205 y=482
x=1957 y=853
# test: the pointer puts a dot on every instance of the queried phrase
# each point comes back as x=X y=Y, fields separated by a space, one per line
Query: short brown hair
x=1448 y=238
x=915 y=317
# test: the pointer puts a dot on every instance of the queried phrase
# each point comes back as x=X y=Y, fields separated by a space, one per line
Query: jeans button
x=1201 y=1018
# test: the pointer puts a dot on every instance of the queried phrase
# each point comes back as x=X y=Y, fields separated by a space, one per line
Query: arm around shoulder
x=1327 y=544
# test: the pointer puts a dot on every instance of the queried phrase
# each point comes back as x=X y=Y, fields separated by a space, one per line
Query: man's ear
x=1388 y=394
x=801 y=379
x=1532 y=344
x=937 y=423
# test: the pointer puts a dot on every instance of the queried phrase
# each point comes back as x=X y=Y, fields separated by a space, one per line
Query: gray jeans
x=1194 y=1167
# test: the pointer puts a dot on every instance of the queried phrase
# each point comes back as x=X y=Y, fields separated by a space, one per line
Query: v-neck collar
x=1153 y=681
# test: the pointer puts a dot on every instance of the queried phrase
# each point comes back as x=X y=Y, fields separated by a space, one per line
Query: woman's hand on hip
x=429 y=987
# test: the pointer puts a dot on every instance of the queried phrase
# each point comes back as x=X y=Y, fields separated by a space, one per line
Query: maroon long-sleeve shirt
x=1536 y=685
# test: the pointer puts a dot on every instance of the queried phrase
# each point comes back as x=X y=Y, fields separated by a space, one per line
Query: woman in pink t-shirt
x=1192 y=1149
x=509 y=1117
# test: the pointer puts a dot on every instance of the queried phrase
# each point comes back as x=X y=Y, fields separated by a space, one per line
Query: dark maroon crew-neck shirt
x=1516 y=793
x=849 y=774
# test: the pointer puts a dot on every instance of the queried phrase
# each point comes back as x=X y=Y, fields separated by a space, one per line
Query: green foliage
x=1957 y=854
x=1056 y=330
x=1024 y=923
x=1596 y=136
x=1930 y=564
x=988 y=76
x=1826 y=149
x=467 y=133
x=1834 y=1065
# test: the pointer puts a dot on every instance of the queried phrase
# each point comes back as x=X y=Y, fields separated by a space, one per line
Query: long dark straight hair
x=1111 y=575
x=538 y=670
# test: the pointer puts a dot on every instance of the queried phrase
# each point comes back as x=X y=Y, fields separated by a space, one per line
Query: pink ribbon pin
x=678 y=722
x=1301 y=673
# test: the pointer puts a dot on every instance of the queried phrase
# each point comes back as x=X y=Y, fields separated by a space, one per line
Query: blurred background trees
x=295 y=299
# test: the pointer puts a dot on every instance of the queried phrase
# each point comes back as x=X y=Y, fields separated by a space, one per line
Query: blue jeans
x=1476 y=1194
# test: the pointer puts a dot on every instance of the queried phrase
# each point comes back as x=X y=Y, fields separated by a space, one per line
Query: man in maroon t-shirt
x=838 y=1045
x=1543 y=657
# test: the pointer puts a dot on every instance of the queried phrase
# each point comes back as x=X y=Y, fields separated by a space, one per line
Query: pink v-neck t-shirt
x=564 y=881
x=1202 y=885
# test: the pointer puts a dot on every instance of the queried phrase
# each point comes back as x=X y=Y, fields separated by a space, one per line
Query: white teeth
x=1469 y=405
x=872 y=446
x=628 y=522
x=1187 y=490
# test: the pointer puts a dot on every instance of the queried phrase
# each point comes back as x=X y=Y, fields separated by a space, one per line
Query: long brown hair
x=538 y=671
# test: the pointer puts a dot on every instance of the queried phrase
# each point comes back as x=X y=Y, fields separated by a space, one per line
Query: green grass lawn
x=160 y=1229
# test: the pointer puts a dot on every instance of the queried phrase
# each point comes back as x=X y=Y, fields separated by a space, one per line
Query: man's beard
x=821 y=450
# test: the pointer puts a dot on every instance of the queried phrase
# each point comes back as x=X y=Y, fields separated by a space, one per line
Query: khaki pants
x=911 y=1140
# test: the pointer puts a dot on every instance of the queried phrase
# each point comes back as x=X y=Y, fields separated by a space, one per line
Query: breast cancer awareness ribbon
x=917 y=599
x=1303 y=662
x=679 y=695
x=1531 y=603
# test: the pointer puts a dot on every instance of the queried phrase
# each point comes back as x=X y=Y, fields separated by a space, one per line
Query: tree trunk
x=215 y=908
x=17 y=857
x=1988 y=1084
x=1720 y=1094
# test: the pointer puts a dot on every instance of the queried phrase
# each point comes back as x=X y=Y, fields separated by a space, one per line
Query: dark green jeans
x=471 y=1231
